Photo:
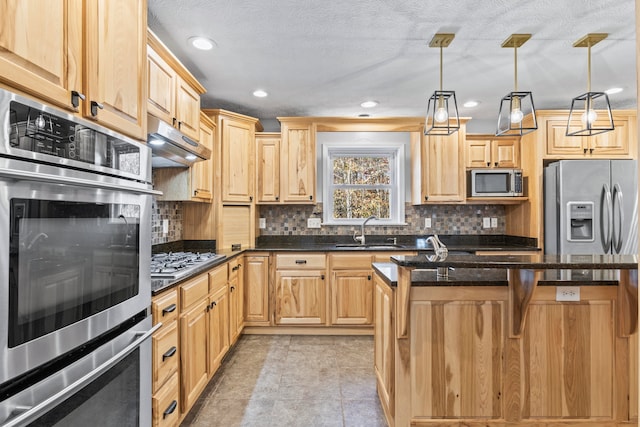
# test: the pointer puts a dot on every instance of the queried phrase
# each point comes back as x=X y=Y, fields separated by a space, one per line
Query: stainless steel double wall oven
x=75 y=242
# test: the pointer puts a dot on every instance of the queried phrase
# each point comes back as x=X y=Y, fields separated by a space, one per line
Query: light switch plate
x=486 y=222
x=494 y=222
x=262 y=223
x=314 y=222
x=427 y=223
x=568 y=293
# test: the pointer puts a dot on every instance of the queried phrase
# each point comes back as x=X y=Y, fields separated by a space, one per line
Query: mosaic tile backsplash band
x=292 y=220
x=445 y=219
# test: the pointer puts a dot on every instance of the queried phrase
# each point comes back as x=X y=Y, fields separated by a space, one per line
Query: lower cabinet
x=351 y=289
x=193 y=347
x=165 y=404
x=236 y=300
x=384 y=339
x=300 y=297
x=218 y=328
x=256 y=290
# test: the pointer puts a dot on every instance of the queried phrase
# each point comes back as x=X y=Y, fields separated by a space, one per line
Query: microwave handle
x=29 y=414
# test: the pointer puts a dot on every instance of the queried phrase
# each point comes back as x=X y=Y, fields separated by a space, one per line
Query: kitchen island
x=491 y=344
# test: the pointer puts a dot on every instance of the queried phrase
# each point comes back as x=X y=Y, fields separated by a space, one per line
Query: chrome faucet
x=361 y=237
x=438 y=247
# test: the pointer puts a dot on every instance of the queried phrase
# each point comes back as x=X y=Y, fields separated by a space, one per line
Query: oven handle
x=45 y=177
x=29 y=414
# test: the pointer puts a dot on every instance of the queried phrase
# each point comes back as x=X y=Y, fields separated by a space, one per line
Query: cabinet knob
x=277 y=198
x=369 y=277
x=232 y=288
x=585 y=151
x=488 y=164
x=76 y=97
x=310 y=197
x=179 y=125
x=322 y=277
x=496 y=164
x=590 y=150
x=174 y=121
x=426 y=197
x=251 y=198
x=94 y=108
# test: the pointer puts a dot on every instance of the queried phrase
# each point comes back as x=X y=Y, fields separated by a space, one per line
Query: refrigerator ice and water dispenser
x=580 y=216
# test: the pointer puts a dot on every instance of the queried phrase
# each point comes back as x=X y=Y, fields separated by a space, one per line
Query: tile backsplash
x=170 y=211
x=445 y=219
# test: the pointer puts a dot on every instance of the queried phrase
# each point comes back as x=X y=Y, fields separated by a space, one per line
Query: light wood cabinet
x=298 y=162
x=166 y=405
x=173 y=94
x=256 y=290
x=237 y=161
x=384 y=339
x=615 y=143
x=236 y=300
x=484 y=152
x=300 y=289
x=437 y=168
x=51 y=49
x=268 y=167
x=193 y=347
x=351 y=289
x=218 y=328
x=165 y=354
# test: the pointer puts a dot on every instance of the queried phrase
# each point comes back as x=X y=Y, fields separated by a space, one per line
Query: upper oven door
x=75 y=261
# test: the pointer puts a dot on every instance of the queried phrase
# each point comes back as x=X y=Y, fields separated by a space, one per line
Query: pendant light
x=590 y=112
x=516 y=105
x=442 y=109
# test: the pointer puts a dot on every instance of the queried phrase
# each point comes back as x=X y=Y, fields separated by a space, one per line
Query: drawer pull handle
x=169 y=309
x=236 y=268
x=322 y=277
x=170 y=410
x=213 y=304
x=169 y=353
x=369 y=277
x=301 y=261
x=232 y=289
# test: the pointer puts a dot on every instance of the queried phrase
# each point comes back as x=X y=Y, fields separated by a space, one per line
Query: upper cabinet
x=488 y=151
x=268 y=167
x=173 y=93
x=605 y=145
x=237 y=140
x=83 y=56
x=298 y=162
x=437 y=167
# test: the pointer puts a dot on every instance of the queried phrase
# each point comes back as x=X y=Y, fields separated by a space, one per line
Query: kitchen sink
x=368 y=246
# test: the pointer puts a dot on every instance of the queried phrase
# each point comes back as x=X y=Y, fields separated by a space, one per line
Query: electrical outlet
x=568 y=293
x=427 y=223
x=314 y=222
x=262 y=223
x=165 y=226
x=486 y=222
x=494 y=222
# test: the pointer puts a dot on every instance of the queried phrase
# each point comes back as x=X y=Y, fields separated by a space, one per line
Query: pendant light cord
x=589 y=66
x=515 y=68
x=440 y=67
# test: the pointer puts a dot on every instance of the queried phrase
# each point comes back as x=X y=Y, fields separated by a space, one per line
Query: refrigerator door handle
x=617 y=202
x=605 y=233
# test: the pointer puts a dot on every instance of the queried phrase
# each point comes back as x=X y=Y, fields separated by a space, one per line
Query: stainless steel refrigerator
x=591 y=207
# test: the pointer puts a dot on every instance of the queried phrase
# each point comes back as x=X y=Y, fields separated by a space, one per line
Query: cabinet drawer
x=351 y=261
x=165 y=354
x=166 y=404
x=218 y=278
x=234 y=268
x=165 y=307
x=194 y=290
x=300 y=261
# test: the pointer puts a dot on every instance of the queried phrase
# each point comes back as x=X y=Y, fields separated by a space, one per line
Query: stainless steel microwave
x=495 y=183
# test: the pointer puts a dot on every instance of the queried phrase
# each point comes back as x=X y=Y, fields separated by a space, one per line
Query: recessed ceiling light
x=363 y=115
x=470 y=104
x=202 y=43
x=369 y=104
x=260 y=93
x=613 y=90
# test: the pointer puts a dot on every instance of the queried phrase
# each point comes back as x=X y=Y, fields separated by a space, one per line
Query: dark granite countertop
x=538 y=261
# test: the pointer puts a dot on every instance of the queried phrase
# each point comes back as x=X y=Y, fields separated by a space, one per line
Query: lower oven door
x=77 y=248
x=111 y=386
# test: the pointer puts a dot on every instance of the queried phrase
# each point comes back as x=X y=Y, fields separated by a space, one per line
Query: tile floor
x=290 y=381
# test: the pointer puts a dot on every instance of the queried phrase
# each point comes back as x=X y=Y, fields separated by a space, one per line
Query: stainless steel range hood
x=170 y=147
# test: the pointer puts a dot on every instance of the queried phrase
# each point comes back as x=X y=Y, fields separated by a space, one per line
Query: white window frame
x=396 y=152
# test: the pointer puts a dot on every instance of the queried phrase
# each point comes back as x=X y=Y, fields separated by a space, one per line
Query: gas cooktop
x=175 y=265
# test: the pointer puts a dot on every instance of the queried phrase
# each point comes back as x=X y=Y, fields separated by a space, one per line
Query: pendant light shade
x=590 y=112
x=517 y=114
x=442 y=109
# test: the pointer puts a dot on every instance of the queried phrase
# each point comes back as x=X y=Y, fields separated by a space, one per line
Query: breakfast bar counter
x=488 y=340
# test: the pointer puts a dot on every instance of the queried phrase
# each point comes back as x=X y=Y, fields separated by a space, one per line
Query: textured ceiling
x=324 y=57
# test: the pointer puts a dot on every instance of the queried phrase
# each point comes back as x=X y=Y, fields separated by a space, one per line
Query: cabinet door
x=298 y=164
x=352 y=297
x=218 y=328
x=505 y=153
x=445 y=174
x=193 y=350
x=384 y=339
x=300 y=298
x=568 y=360
x=116 y=55
x=202 y=172
x=41 y=48
x=615 y=142
x=165 y=406
x=559 y=144
x=478 y=153
x=236 y=302
x=256 y=290
x=268 y=170
x=187 y=109
x=237 y=161
x=161 y=84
